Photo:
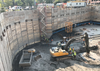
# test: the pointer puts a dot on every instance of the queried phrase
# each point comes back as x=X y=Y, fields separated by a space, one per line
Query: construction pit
x=22 y=31
x=81 y=63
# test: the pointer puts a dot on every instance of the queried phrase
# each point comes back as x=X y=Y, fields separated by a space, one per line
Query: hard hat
x=69 y=48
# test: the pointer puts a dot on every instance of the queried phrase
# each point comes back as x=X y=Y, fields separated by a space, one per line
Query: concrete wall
x=74 y=15
x=95 y=13
x=56 y=18
x=18 y=29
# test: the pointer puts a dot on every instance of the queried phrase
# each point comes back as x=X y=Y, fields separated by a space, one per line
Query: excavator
x=59 y=53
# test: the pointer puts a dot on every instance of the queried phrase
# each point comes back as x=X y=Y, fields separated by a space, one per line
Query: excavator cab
x=58 y=51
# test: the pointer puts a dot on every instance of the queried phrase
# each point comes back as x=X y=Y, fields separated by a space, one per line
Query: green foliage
x=57 y=1
x=65 y=1
x=2 y=10
x=49 y=1
x=28 y=2
x=8 y=3
x=19 y=3
x=40 y=1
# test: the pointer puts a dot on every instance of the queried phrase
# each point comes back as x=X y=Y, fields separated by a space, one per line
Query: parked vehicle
x=16 y=8
x=76 y=4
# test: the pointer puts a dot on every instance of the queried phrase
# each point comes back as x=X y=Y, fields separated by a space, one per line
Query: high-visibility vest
x=41 y=35
x=74 y=53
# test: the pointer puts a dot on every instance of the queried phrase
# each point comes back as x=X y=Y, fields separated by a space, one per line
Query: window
x=76 y=3
x=79 y=3
x=70 y=4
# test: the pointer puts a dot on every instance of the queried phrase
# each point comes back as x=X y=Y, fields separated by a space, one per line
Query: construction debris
x=37 y=57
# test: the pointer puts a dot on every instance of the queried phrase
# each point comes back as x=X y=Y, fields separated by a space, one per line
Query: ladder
x=42 y=11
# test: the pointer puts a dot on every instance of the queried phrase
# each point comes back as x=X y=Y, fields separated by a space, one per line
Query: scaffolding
x=42 y=11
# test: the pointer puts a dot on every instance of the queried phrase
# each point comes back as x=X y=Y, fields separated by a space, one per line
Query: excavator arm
x=68 y=43
x=85 y=36
x=71 y=41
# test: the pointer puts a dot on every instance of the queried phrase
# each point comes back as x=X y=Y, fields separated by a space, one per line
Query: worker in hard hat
x=74 y=54
x=73 y=50
x=47 y=6
x=59 y=44
x=70 y=50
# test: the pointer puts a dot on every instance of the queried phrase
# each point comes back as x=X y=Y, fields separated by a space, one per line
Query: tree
x=8 y=3
x=65 y=1
x=28 y=2
x=19 y=3
x=57 y=1
x=23 y=2
x=41 y=1
x=49 y=1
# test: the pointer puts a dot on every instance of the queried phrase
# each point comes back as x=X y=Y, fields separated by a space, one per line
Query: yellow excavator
x=59 y=53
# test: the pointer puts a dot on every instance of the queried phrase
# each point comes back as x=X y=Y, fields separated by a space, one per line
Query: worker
x=70 y=50
x=47 y=6
x=41 y=35
x=83 y=41
x=74 y=54
x=59 y=44
x=73 y=50
x=47 y=39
